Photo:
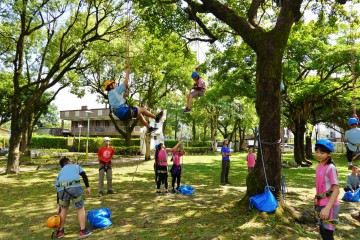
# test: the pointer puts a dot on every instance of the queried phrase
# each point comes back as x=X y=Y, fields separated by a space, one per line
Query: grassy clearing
x=28 y=199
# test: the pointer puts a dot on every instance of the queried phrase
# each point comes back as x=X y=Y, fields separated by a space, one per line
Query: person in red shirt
x=105 y=155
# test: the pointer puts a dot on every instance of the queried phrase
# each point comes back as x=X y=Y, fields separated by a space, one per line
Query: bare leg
x=63 y=214
x=81 y=217
x=189 y=100
x=147 y=113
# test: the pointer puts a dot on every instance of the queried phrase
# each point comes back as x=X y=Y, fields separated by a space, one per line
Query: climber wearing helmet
x=197 y=90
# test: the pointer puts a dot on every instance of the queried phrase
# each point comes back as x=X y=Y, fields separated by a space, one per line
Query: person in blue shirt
x=352 y=138
x=117 y=96
x=69 y=189
x=225 y=165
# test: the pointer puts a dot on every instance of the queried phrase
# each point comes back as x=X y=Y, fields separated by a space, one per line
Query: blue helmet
x=353 y=121
x=326 y=143
x=194 y=75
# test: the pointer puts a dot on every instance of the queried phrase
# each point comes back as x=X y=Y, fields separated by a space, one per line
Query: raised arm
x=127 y=76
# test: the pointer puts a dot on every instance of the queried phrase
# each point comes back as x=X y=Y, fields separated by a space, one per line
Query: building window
x=106 y=123
x=100 y=112
x=97 y=123
x=66 y=114
x=77 y=113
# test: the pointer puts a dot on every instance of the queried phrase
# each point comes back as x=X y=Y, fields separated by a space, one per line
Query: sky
x=67 y=101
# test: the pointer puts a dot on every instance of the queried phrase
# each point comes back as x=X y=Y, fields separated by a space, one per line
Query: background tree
x=265 y=30
x=44 y=42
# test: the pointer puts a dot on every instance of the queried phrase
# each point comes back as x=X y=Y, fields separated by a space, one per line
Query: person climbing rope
x=117 y=99
x=197 y=90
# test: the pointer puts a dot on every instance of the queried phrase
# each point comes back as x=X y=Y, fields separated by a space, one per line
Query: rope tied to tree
x=263 y=164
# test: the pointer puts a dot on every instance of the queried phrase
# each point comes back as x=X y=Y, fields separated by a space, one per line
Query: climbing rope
x=263 y=164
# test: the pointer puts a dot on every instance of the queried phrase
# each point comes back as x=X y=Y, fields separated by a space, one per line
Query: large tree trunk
x=268 y=75
x=308 y=146
x=299 y=150
x=14 y=148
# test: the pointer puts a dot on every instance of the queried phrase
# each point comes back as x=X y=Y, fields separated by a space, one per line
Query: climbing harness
x=106 y=167
x=326 y=194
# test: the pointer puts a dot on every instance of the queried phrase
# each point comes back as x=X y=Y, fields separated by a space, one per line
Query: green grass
x=28 y=199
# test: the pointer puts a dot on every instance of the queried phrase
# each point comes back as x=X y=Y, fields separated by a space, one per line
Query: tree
x=42 y=43
x=312 y=67
x=267 y=35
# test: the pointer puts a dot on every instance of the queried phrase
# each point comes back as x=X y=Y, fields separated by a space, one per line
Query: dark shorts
x=196 y=93
x=69 y=195
x=124 y=113
x=175 y=170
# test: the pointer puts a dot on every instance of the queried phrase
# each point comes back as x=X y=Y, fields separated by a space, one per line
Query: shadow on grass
x=29 y=198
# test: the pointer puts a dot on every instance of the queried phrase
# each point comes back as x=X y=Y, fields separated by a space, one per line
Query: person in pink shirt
x=250 y=158
x=162 y=165
x=327 y=189
x=197 y=90
x=176 y=168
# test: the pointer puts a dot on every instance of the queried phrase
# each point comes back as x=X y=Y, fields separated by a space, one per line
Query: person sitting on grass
x=352 y=180
x=197 y=90
x=117 y=99
x=68 y=189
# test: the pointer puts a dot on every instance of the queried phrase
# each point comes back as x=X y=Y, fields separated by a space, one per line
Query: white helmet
x=106 y=139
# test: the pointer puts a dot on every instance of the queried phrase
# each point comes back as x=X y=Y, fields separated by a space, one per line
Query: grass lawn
x=28 y=199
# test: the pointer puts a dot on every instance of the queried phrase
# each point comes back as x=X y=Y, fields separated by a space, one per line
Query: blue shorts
x=124 y=113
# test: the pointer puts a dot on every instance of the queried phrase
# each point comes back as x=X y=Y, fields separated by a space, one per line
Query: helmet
x=106 y=139
x=352 y=121
x=108 y=83
x=53 y=221
x=194 y=75
x=326 y=143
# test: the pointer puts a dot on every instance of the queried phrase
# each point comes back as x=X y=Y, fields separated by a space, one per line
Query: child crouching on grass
x=327 y=189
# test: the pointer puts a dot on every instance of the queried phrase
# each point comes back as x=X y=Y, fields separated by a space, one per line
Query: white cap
x=106 y=139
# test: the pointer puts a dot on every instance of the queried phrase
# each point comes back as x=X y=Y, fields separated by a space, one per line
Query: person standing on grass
x=327 y=189
x=225 y=165
x=68 y=188
x=176 y=168
x=250 y=158
x=162 y=165
x=352 y=137
x=105 y=154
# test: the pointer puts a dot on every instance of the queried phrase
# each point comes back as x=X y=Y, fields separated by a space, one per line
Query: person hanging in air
x=117 y=99
x=352 y=137
x=197 y=90
x=327 y=189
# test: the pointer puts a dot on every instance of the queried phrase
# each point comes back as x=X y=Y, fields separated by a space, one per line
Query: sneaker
x=158 y=192
x=173 y=191
x=111 y=192
x=159 y=116
x=100 y=194
x=61 y=233
x=166 y=191
x=85 y=232
x=152 y=129
x=356 y=217
x=187 y=110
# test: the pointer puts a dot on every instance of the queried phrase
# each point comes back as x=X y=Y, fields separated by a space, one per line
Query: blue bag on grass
x=352 y=197
x=264 y=202
x=348 y=196
x=99 y=218
x=185 y=189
